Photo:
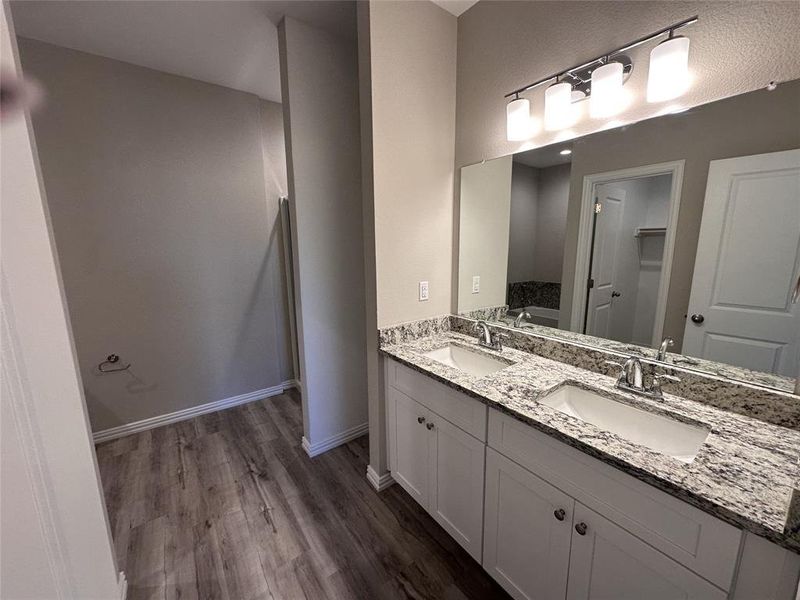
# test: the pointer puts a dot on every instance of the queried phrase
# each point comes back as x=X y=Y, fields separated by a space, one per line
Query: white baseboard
x=122 y=585
x=379 y=482
x=337 y=440
x=188 y=413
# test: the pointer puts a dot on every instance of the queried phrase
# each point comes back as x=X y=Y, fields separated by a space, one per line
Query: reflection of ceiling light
x=565 y=152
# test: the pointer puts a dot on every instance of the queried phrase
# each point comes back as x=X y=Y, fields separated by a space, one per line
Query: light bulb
x=518 y=120
x=606 y=99
x=669 y=70
x=558 y=110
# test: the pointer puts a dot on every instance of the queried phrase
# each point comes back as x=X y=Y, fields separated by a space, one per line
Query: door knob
x=581 y=528
x=420 y=419
x=697 y=318
x=429 y=426
x=615 y=294
x=559 y=514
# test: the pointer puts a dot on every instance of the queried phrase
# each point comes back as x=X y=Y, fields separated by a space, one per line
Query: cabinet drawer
x=461 y=410
x=697 y=540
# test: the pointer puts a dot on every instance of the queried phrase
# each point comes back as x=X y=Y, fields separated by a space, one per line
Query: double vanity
x=562 y=485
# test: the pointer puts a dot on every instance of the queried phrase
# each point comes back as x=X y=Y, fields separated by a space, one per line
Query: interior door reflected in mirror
x=685 y=226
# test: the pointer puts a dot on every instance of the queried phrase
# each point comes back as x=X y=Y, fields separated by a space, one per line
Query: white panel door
x=748 y=259
x=608 y=563
x=456 y=484
x=526 y=535
x=411 y=445
x=608 y=224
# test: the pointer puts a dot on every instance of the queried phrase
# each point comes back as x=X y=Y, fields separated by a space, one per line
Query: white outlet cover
x=423 y=291
x=476 y=284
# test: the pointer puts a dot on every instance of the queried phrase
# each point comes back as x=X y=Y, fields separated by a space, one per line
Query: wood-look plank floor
x=229 y=506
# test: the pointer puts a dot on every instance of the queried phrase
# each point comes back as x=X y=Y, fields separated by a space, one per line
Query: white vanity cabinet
x=606 y=562
x=549 y=522
x=528 y=531
x=540 y=544
x=440 y=464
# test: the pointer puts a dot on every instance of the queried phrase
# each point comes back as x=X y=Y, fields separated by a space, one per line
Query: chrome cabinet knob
x=581 y=528
x=697 y=319
x=420 y=419
x=429 y=426
x=560 y=514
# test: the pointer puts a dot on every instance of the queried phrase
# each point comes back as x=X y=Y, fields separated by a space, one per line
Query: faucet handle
x=664 y=377
x=658 y=380
x=619 y=365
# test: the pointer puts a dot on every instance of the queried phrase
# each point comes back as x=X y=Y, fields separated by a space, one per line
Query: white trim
x=16 y=391
x=590 y=182
x=379 y=482
x=188 y=413
x=335 y=440
x=122 y=581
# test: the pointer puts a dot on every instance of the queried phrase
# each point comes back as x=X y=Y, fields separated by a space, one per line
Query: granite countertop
x=746 y=472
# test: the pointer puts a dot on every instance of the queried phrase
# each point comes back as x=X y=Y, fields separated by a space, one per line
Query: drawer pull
x=581 y=528
x=420 y=420
x=560 y=514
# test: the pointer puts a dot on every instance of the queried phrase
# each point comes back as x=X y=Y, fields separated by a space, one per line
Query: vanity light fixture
x=669 y=69
x=558 y=109
x=518 y=119
x=601 y=80
x=607 y=99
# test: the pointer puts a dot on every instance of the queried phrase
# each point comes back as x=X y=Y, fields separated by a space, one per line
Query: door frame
x=585 y=237
x=68 y=544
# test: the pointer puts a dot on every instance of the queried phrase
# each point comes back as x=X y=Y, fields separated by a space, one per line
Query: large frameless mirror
x=685 y=226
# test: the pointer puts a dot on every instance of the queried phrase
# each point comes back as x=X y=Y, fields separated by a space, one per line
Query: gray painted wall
x=166 y=230
x=522 y=224
x=319 y=74
x=413 y=55
x=539 y=199
x=552 y=222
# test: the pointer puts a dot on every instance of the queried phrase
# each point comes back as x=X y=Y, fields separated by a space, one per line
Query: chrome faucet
x=487 y=338
x=523 y=315
x=631 y=379
x=667 y=342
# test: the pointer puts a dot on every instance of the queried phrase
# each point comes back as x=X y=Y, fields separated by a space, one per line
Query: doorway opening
x=625 y=244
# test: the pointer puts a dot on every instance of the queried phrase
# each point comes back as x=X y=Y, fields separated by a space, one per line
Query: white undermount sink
x=674 y=438
x=469 y=361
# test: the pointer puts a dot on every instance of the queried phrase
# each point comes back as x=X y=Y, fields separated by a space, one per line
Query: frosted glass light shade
x=606 y=99
x=558 y=110
x=669 y=70
x=518 y=120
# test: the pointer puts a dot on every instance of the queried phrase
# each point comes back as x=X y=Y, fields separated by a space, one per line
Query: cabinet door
x=526 y=535
x=456 y=485
x=411 y=445
x=608 y=563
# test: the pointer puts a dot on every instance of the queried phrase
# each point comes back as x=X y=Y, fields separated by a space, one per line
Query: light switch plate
x=423 y=291
x=476 y=284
